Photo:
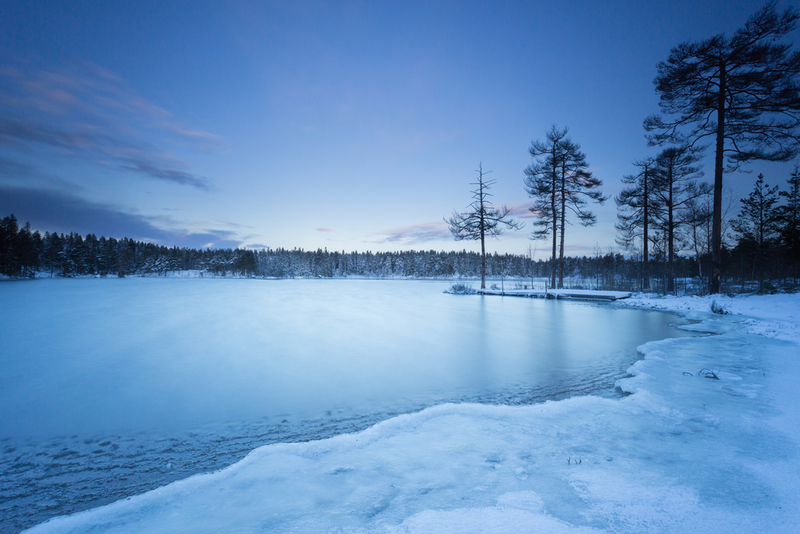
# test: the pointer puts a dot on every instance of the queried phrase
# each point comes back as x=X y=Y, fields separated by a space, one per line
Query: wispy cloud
x=62 y=212
x=578 y=248
x=14 y=169
x=172 y=175
x=23 y=174
x=412 y=235
x=523 y=211
x=87 y=112
x=323 y=229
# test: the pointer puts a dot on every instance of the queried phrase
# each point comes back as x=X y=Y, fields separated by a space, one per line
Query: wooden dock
x=563 y=294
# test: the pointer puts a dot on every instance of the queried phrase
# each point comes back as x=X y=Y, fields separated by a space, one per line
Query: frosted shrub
x=460 y=289
x=718 y=308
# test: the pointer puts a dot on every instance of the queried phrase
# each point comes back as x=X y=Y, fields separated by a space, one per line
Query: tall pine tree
x=740 y=92
x=757 y=226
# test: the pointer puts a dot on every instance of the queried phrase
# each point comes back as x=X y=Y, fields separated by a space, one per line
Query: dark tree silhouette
x=758 y=224
x=482 y=219
x=575 y=187
x=28 y=246
x=10 y=261
x=541 y=183
x=559 y=181
x=789 y=220
x=675 y=187
x=635 y=205
x=742 y=92
x=696 y=222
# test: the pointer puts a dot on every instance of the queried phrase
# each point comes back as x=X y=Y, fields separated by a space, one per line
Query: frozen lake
x=110 y=387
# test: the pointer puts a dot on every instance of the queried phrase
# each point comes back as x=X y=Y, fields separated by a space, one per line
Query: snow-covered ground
x=776 y=316
x=682 y=453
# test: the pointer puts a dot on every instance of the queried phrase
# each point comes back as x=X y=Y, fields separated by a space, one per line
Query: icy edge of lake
x=682 y=453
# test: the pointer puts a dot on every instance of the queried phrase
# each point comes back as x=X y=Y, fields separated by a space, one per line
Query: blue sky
x=345 y=125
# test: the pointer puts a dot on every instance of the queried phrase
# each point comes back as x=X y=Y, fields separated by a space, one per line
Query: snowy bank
x=776 y=316
x=567 y=294
x=682 y=453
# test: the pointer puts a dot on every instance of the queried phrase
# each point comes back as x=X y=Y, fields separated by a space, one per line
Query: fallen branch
x=708 y=373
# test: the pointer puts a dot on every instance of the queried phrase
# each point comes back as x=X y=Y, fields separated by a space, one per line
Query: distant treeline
x=27 y=253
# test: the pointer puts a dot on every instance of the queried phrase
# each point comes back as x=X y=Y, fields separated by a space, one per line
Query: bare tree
x=482 y=219
x=696 y=219
x=741 y=92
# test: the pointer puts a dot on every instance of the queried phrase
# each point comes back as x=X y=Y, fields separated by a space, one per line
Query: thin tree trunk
x=646 y=238
x=670 y=246
x=483 y=228
x=696 y=248
x=555 y=220
x=670 y=231
x=716 y=221
x=483 y=263
x=759 y=264
x=563 y=221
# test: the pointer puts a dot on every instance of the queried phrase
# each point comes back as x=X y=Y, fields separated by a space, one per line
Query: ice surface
x=112 y=387
x=682 y=453
x=119 y=355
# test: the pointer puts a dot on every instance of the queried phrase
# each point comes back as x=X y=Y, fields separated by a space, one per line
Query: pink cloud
x=413 y=234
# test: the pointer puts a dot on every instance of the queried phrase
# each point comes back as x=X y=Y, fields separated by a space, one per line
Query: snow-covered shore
x=682 y=453
x=776 y=316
